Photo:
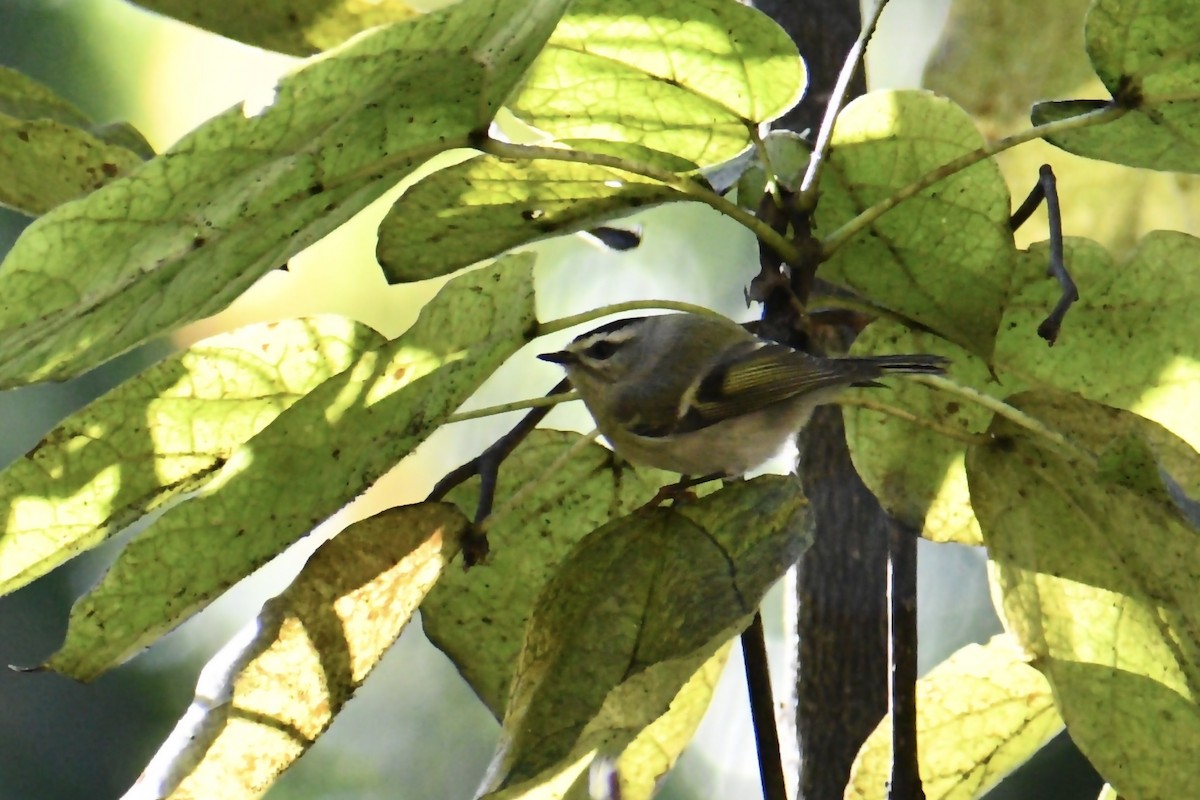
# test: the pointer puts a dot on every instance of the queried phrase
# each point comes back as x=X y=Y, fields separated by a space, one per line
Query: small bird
x=700 y=395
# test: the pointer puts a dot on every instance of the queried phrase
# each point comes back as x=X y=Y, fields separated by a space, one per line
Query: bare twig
x=487 y=466
x=762 y=710
x=1046 y=190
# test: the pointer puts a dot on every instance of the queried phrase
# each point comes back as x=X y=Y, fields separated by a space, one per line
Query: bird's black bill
x=560 y=357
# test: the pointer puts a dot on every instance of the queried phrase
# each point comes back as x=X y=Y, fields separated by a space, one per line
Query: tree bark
x=841 y=690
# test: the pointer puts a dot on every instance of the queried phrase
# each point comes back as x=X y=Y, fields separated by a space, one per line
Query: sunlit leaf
x=1145 y=53
x=943 y=257
x=484 y=206
x=274 y=689
x=309 y=462
x=632 y=614
x=50 y=152
x=1128 y=343
x=691 y=79
x=981 y=713
x=158 y=435
x=1097 y=572
x=190 y=230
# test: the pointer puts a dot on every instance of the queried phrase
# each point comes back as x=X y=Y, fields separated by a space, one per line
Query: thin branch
x=905 y=783
x=680 y=183
x=1003 y=409
x=1046 y=190
x=562 y=323
x=521 y=493
x=860 y=223
x=908 y=416
x=762 y=710
x=487 y=466
x=809 y=186
x=517 y=405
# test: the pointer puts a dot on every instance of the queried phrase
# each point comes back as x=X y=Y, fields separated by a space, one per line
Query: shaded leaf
x=692 y=79
x=193 y=228
x=981 y=713
x=159 y=435
x=50 y=152
x=1097 y=577
x=309 y=462
x=1146 y=56
x=632 y=614
x=478 y=618
x=484 y=206
x=943 y=257
x=298 y=27
x=267 y=696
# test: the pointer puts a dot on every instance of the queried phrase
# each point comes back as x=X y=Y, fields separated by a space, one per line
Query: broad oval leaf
x=478 y=618
x=692 y=79
x=193 y=228
x=1146 y=56
x=981 y=713
x=943 y=257
x=1096 y=568
x=159 y=435
x=631 y=615
x=50 y=152
x=484 y=206
x=267 y=696
x=309 y=462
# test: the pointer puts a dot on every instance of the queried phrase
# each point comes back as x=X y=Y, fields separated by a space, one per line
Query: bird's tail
x=921 y=364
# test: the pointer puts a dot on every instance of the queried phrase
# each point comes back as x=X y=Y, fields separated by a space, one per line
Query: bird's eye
x=598 y=351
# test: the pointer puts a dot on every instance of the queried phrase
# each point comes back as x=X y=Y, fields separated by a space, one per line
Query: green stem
x=860 y=223
x=562 y=323
x=1003 y=409
x=516 y=405
x=908 y=416
x=682 y=184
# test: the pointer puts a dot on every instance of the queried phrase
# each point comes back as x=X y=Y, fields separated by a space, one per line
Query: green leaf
x=478 y=618
x=1097 y=577
x=309 y=462
x=1128 y=343
x=193 y=228
x=50 y=152
x=632 y=614
x=916 y=472
x=943 y=257
x=692 y=79
x=981 y=713
x=160 y=435
x=484 y=206
x=298 y=27
x=1146 y=56
x=274 y=689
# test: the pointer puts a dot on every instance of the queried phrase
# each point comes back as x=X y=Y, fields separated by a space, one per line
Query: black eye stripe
x=601 y=350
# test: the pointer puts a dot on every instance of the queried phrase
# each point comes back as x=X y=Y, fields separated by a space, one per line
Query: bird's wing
x=754 y=378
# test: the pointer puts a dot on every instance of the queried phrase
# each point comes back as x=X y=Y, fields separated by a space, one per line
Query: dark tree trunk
x=842 y=586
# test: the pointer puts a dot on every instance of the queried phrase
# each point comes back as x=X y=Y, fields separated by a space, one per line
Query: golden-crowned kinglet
x=700 y=395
